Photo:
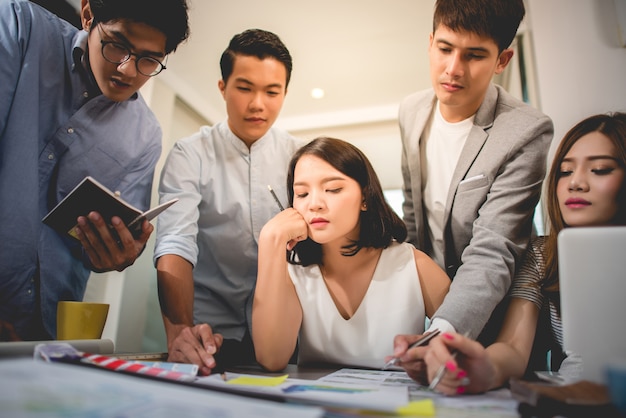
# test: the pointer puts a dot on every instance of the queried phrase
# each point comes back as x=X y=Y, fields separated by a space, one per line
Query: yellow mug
x=81 y=320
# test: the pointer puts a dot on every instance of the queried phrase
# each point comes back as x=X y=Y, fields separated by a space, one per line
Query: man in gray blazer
x=473 y=160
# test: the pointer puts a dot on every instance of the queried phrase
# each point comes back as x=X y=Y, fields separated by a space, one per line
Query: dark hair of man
x=255 y=43
x=495 y=19
x=168 y=16
x=379 y=224
x=611 y=125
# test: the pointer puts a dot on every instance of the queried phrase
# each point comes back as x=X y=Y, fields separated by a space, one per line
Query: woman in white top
x=348 y=284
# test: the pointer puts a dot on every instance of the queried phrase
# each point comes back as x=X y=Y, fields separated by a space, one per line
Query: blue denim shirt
x=55 y=128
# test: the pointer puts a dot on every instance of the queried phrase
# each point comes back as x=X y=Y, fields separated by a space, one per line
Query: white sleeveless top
x=392 y=305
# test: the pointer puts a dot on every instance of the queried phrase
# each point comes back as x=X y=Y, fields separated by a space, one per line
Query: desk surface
x=15 y=372
x=36 y=388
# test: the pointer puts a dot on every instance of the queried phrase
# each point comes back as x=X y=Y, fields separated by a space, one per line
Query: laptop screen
x=592 y=276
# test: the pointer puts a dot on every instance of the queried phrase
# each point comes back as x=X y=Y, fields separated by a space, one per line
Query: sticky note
x=258 y=380
x=423 y=408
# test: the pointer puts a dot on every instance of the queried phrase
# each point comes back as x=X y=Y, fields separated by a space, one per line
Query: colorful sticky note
x=423 y=408
x=258 y=380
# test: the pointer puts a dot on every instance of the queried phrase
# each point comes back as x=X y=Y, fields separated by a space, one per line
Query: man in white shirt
x=473 y=162
x=206 y=248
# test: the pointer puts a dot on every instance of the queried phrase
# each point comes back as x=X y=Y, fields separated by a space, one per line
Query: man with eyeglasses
x=118 y=53
x=69 y=108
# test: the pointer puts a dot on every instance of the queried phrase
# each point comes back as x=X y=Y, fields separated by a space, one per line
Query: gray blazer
x=491 y=202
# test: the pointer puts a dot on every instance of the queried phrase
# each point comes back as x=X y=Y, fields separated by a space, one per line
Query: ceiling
x=366 y=55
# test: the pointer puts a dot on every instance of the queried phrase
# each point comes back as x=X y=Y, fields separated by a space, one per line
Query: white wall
x=379 y=141
x=579 y=57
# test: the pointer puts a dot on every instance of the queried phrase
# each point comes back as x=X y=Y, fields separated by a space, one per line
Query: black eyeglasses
x=117 y=53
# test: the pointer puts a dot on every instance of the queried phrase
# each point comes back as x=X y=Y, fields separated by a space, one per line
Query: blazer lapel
x=424 y=110
x=475 y=141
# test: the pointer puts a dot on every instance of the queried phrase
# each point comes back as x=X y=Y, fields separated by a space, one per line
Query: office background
x=366 y=55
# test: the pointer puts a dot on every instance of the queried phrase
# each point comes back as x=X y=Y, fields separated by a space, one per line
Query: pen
x=422 y=341
x=440 y=373
x=442 y=370
x=275 y=197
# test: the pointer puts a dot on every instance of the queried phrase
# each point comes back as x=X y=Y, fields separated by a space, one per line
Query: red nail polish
x=460 y=390
x=461 y=374
x=448 y=336
x=450 y=366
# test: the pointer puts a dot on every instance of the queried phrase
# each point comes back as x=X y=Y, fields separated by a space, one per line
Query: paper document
x=497 y=403
x=361 y=396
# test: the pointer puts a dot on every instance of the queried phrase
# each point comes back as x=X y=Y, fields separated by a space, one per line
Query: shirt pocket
x=96 y=162
x=473 y=183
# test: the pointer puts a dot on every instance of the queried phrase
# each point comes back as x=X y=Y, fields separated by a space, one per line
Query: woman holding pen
x=586 y=187
x=348 y=284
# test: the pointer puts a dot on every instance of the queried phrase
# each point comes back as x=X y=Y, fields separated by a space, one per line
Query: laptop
x=592 y=276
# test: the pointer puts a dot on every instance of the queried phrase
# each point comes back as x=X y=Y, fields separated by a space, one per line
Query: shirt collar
x=238 y=143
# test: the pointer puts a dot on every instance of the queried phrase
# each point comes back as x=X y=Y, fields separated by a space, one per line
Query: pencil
x=275 y=197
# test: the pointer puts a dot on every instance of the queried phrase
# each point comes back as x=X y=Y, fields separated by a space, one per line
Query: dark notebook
x=90 y=195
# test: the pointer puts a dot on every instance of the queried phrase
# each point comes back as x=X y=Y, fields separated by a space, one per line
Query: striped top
x=527 y=285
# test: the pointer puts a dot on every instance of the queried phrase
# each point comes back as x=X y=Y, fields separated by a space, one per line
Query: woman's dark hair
x=379 y=224
x=611 y=125
x=168 y=16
